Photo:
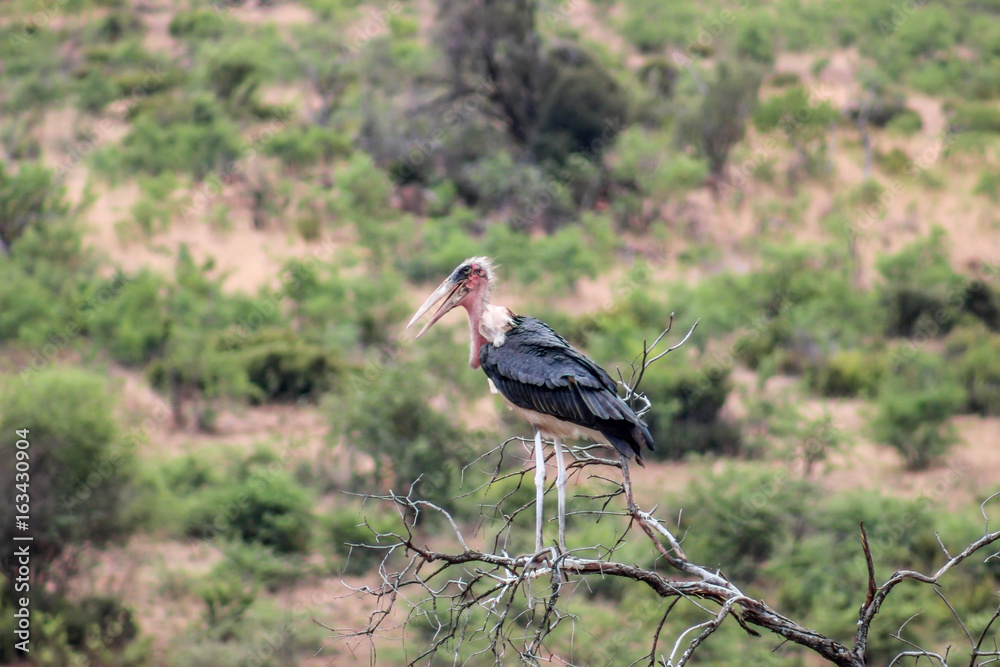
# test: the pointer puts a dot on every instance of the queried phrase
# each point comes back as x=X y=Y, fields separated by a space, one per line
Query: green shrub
x=406 y=438
x=197 y=24
x=785 y=79
x=261 y=565
x=989 y=184
x=132 y=326
x=718 y=122
x=195 y=147
x=234 y=74
x=117 y=25
x=284 y=367
x=300 y=146
x=737 y=518
x=582 y=107
x=906 y=122
x=976 y=117
x=94 y=630
x=363 y=190
x=267 y=507
x=227 y=600
x=686 y=402
x=921 y=293
x=975 y=356
x=526 y=193
x=647 y=161
x=47 y=285
x=895 y=162
x=76 y=457
x=651 y=25
x=915 y=401
x=801 y=118
x=29 y=197
x=100 y=616
x=755 y=40
x=847 y=373
x=659 y=75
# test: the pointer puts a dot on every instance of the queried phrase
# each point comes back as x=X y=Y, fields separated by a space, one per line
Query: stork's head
x=467 y=286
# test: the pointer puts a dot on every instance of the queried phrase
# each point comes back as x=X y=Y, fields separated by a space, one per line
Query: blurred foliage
x=80 y=471
x=259 y=504
x=915 y=401
x=405 y=437
x=922 y=294
x=975 y=355
x=718 y=122
x=28 y=198
x=685 y=417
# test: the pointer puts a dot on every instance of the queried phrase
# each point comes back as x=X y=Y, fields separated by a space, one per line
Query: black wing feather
x=537 y=369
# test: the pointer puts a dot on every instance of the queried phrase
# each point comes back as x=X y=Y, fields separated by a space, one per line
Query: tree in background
x=27 y=198
x=79 y=475
x=552 y=101
x=804 y=121
x=718 y=121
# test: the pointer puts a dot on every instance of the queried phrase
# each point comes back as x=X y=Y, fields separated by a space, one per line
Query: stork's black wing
x=535 y=368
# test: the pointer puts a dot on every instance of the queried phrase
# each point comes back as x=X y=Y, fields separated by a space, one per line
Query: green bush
x=47 y=285
x=300 y=146
x=227 y=600
x=94 y=630
x=895 y=162
x=406 y=438
x=261 y=565
x=906 y=122
x=915 y=401
x=921 y=293
x=100 y=616
x=847 y=373
x=800 y=117
x=191 y=135
x=755 y=39
x=284 y=367
x=976 y=117
x=989 y=184
x=363 y=190
x=582 y=107
x=686 y=404
x=29 y=197
x=132 y=325
x=647 y=162
x=718 y=122
x=197 y=24
x=80 y=470
x=736 y=519
x=266 y=507
x=975 y=356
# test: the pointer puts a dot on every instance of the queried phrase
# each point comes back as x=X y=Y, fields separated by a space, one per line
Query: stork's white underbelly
x=552 y=427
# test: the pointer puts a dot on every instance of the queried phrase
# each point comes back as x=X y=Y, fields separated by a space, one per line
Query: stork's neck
x=487 y=324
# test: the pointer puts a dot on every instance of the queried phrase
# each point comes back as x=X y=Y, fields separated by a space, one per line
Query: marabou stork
x=543 y=378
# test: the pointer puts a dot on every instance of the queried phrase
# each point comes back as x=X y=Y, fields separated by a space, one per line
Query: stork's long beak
x=450 y=289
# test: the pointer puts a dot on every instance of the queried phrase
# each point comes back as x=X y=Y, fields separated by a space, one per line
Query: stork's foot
x=546 y=556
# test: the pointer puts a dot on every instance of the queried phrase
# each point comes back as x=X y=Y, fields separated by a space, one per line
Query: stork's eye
x=480 y=272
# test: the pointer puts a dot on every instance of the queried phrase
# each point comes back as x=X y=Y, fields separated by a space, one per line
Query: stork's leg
x=539 y=488
x=561 y=491
x=627 y=484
